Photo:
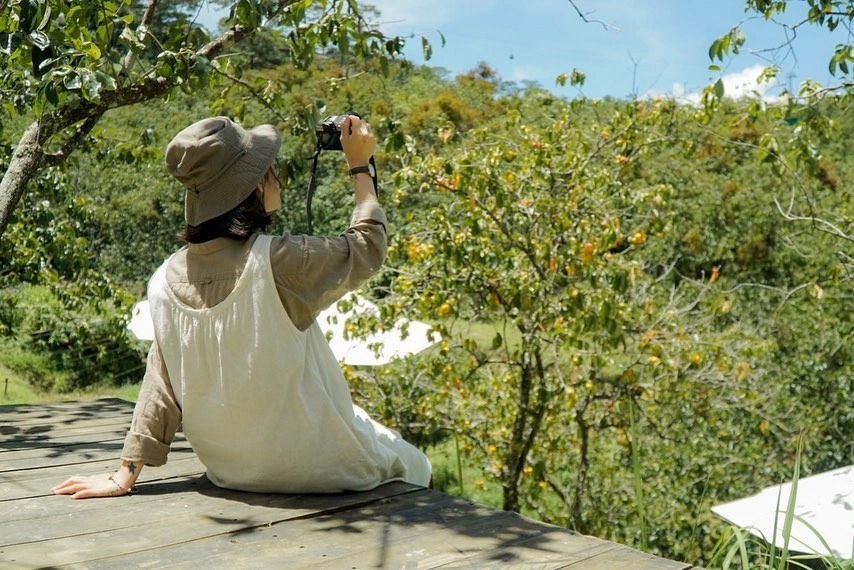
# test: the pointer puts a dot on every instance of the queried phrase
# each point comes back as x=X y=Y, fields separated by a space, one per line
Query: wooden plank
x=55 y=425
x=325 y=538
x=180 y=520
x=72 y=454
x=39 y=457
x=170 y=498
x=53 y=435
x=376 y=536
x=49 y=509
x=37 y=482
x=63 y=412
x=459 y=532
x=176 y=522
x=624 y=557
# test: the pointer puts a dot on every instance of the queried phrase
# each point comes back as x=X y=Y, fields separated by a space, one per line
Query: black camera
x=328 y=131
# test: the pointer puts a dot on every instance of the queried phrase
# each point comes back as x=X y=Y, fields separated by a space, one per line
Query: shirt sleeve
x=156 y=416
x=312 y=272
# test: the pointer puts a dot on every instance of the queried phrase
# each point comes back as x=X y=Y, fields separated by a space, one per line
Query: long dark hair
x=239 y=223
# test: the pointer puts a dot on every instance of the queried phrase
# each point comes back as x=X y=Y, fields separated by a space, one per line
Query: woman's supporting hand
x=104 y=485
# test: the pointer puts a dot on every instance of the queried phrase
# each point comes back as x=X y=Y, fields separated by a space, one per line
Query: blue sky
x=640 y=48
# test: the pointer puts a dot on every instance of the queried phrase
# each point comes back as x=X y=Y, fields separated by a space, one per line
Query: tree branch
x=150 y=88
x=589 y=21
x=142 y=29
x=73 y=141
x=818 y=223
x=260 y=98
x=29 y=155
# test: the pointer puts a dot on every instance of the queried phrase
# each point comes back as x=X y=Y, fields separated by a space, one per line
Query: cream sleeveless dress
x=265 y=406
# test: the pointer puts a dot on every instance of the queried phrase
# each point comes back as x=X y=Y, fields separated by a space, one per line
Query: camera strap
x=312 y=184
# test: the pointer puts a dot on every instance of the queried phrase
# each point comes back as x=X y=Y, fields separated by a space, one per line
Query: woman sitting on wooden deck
x=238 y=357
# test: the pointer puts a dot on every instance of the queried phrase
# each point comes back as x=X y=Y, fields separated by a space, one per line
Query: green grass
x=739 y=549
x=448 y=465
x=15 y=389
x=18 y=367
x=475 y=485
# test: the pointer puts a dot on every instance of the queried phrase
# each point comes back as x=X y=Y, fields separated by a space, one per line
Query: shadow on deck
x=181 y=520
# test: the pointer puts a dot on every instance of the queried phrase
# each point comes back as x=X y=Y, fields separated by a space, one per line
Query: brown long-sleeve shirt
x=310 y=273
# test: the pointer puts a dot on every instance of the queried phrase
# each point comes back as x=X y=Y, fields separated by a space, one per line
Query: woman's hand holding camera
x=357 y=140
x=358 y=143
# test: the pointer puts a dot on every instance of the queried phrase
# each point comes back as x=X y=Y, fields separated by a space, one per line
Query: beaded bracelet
x=119 y=488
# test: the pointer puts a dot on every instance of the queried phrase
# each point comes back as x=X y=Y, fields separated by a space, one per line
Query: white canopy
x=374 y=350
x=824 y=501
x=377 y=348
x=140 y=322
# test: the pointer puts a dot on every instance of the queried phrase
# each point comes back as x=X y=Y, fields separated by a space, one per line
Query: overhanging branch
x=73 y=141
x=258 y=97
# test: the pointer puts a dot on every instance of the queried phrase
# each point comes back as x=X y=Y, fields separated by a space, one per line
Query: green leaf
x=202 y=65
x=51 y=95
x=72 y=82
x=426 y=48
x=40 y=39
x=719 y=88
x=92 y=50
x=90 y=87
x=105 y=80
x=72 y=12
x=129 y=38
x=497 y=341
x=46 y=18
x=714 y=49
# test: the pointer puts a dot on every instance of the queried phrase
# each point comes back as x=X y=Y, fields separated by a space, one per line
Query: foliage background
x=642 y=306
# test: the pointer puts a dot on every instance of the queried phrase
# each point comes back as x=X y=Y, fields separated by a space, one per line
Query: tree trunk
x=581 y=477
x=26 y=159
x=526 y=428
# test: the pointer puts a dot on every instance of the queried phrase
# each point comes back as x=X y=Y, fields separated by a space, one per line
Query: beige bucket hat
x=220 y=163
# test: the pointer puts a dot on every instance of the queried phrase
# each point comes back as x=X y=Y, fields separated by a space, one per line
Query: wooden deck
x=180 y=520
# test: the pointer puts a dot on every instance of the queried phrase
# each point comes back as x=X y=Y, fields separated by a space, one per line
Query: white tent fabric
x=140 y=323
x=824 y=501
x=374 y=350
x=404 y=339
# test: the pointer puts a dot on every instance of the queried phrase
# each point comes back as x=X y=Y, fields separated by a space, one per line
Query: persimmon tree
x=609 y=281
x=536 y=243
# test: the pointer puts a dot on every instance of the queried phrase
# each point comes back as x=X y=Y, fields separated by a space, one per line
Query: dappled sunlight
x=179 y=515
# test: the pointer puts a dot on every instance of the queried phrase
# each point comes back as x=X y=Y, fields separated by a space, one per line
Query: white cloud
x=678 y=92
x=522 y=74
x=739 y=85
x=745 y=83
